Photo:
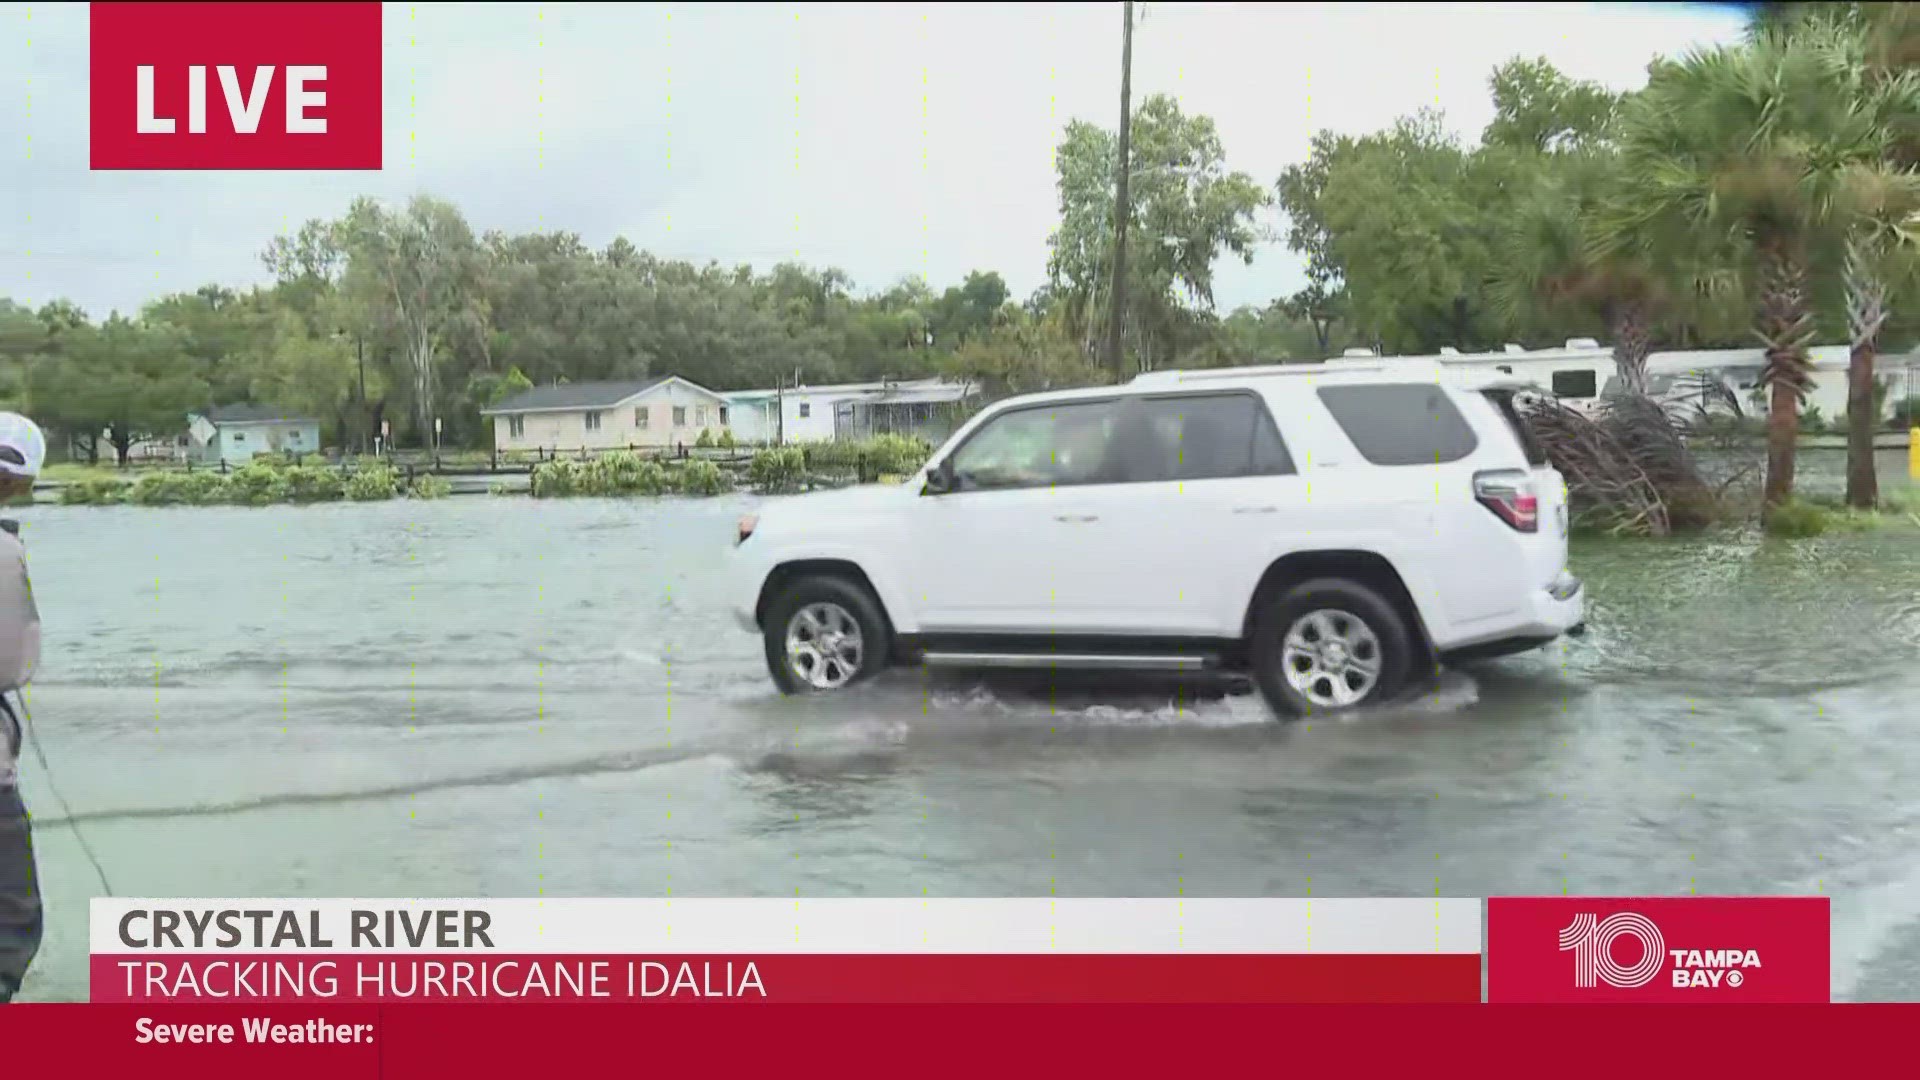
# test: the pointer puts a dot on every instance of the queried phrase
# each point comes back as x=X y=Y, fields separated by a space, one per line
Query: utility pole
x=1122 y=208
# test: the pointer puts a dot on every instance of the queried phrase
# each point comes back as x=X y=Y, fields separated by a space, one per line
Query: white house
x=842 y=410
x=663 y=411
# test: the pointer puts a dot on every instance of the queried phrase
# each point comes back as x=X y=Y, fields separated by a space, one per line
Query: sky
x=888 y=140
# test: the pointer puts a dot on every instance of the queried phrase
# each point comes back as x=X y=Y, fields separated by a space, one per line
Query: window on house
x=516 y=426
x=679 y=416
x=723 y=414
x=640 y=418
x=700 y=415
x=239 y=436
x=593 y=421
x=806 y=410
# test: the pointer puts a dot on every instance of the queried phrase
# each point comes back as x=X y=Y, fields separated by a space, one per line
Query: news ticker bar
x=1296 y=950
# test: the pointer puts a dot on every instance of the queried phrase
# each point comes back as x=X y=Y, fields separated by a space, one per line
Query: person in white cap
x=22 y=451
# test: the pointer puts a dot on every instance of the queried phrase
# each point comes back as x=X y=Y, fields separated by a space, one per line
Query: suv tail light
x=1510 y=495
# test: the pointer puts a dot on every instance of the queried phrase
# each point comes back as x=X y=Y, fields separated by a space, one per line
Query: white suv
x=1333 y=531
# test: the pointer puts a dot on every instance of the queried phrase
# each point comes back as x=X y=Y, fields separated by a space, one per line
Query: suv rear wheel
x=1328 y=646
x=823 y=633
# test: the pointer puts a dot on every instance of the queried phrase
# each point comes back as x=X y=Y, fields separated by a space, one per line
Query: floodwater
x=498 y=697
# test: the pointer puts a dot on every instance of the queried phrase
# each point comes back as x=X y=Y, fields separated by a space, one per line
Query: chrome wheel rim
x=1331 y=658
x=824 y=646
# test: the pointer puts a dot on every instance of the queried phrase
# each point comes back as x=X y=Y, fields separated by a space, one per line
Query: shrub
x=726 y=440
x=896 y=455
x=705 y=441
x=429 y=486
x=372 y=482
x=1906 y=413
x=179 y=489
x=557 y=479
x=623 y=472
x=778 y=470
x=1796 y=519
x=314 y=483
x=95 y=491
x=702 y=478
x=1812 y=422
x=256 y=483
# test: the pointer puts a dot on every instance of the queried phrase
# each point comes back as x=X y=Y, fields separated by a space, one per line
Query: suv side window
x=1068 y=443
x=1401 y=424
x=1201 y=437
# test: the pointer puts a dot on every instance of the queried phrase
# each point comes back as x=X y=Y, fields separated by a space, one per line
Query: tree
x=133 y=381
x=1405 y=221
x=1556 y=272
x=1538 y=108
x=1754 y=143
x=421 y=265
x=303 y=372
x=1880 y=200
x=1187 y=208
x=1024 y=355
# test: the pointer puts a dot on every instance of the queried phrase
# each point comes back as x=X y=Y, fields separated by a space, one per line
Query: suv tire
x=1329 y=645
x=824 y=633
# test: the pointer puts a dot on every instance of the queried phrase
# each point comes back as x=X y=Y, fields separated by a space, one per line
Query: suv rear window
x=1503 y=401
x=1410 y=424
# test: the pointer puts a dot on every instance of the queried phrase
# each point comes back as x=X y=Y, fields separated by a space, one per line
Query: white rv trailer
x=1581 y=373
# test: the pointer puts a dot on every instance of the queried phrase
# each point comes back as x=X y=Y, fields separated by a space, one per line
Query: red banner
x=1265 y=978
x=436 y=1041
x=235 y=86
x=1747 y=949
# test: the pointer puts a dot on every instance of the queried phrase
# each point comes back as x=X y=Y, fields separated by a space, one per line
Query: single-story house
x=235 y=433
x=845 y=410
x=662 y=411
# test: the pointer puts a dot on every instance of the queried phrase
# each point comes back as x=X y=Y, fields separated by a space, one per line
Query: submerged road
x=510 y=698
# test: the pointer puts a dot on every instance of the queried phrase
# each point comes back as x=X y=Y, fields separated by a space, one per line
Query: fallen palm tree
x=1627 y=466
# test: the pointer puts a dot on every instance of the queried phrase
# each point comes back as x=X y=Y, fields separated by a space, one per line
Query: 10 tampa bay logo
x=1596 y=960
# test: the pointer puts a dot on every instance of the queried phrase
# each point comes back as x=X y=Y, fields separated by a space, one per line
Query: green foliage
x=1797 y=519
x=314 y=483
x=559 y=479
x=372 y=482
x=429 y=486
x=256 y=483
x=726 y=439
x=1186 y=209
x=778 y=469
x=705 y=441
x=201 y=488
x=701 y=478
x=94 y=491
x=615 y=474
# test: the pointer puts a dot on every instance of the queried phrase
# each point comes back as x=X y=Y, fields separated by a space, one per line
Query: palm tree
x=1553 y=264
x=1757 y=144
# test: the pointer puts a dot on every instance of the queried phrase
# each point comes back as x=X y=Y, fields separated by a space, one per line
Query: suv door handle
x=1077 y=519
x=1255 y=509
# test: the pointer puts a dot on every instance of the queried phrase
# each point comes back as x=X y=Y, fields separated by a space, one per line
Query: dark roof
x=580 y=395
x=252 y=414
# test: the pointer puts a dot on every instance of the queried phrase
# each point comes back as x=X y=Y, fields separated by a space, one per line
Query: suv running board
x=1119 y=661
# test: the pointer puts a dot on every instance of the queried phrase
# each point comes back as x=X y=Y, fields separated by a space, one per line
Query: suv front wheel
x=823 y=633
x=1329 y=646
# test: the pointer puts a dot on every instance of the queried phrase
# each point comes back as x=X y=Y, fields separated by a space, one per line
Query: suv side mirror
x=940 y=478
